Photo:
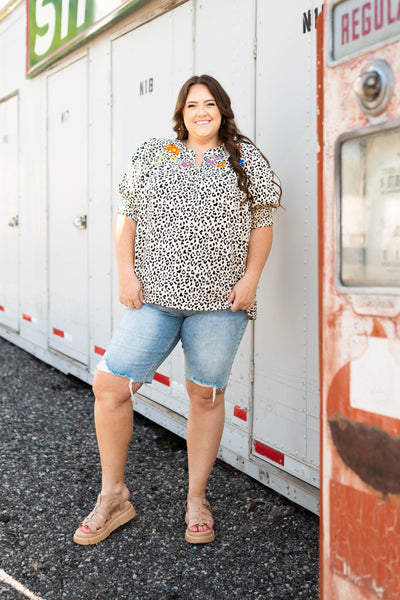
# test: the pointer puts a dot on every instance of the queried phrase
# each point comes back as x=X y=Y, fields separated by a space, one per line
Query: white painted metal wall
x=73 y=129
x=9 y=198
x=286 y=396
x=67 y=189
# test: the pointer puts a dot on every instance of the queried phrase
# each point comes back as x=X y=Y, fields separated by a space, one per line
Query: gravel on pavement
x=266 y=547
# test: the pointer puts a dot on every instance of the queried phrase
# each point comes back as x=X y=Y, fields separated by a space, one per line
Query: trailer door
x=67 y=202
x=9 y=213
x=286 y=400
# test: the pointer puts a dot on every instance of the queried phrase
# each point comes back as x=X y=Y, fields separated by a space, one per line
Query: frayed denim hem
x=103 y=366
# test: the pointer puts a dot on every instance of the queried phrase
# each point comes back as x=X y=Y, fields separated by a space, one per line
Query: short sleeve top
x=193 y=231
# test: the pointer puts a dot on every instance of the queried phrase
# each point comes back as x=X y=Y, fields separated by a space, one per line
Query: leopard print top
x=192 y=234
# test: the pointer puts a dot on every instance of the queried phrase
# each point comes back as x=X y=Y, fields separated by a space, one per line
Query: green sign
x=55 y=27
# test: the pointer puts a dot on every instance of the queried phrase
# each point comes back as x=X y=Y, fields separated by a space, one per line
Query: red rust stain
x=370 y=451
x=378 y=330
x=365 y=541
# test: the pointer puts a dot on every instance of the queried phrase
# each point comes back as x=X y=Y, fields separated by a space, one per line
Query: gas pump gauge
x=374 y=87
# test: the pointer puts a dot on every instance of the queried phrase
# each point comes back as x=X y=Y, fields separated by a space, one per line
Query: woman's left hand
x=243 y=294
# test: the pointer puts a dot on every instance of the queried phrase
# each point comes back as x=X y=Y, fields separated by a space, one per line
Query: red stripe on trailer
x=162 y=379
x=58 y=332
x=240 y=413
x=99 y=350
x=269 y=452
x=2 y=308
x=27 y=318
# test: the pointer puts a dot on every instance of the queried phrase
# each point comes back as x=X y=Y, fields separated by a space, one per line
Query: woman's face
x=201 y=116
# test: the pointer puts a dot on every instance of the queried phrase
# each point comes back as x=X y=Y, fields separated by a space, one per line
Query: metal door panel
x=225 y=48
x=67 y=200
x=9 y=217
x=286 y=334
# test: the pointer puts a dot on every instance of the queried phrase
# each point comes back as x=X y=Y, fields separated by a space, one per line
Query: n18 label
x=146 y=86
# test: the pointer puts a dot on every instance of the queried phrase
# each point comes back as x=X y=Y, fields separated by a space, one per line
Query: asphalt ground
x=266 y=547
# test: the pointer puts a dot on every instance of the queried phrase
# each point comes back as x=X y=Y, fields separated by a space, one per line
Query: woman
x=192 y=234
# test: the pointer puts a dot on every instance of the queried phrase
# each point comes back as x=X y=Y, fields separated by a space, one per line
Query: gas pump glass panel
x=369 y=210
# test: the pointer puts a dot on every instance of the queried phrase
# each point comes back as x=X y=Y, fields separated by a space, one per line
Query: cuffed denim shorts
x=146 y=336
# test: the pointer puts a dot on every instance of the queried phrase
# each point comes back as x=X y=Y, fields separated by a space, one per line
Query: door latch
x=14 y=221
x=80 y=222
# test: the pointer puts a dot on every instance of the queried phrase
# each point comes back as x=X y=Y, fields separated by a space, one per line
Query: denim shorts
x=146 y=336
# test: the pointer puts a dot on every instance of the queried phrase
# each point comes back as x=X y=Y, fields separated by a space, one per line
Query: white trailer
x=69 y=123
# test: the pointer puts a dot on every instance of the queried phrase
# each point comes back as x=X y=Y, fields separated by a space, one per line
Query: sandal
x=198 y=513
x=102 y=521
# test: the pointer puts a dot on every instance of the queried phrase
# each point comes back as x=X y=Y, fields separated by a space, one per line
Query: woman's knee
x=109 y=387
x=204 y=395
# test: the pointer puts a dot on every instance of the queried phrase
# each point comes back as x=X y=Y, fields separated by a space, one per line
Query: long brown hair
x=229 y=133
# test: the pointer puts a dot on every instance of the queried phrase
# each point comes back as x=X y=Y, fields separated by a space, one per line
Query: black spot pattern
x=192 y=235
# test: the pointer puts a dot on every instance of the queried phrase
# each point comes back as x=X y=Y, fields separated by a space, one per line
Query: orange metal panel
x=361 y=521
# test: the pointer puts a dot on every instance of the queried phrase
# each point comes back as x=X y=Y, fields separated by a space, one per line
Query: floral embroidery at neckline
x=173 y=148
x=172 y=151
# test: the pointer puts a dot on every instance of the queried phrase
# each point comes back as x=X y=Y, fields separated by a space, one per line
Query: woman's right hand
x=130 y=291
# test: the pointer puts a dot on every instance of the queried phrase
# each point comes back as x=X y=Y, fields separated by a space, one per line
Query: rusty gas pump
x=359 y=223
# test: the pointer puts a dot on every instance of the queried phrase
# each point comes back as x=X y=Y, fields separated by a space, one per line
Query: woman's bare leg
x=114 y=426
x=113 y=413
x=204 y=431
